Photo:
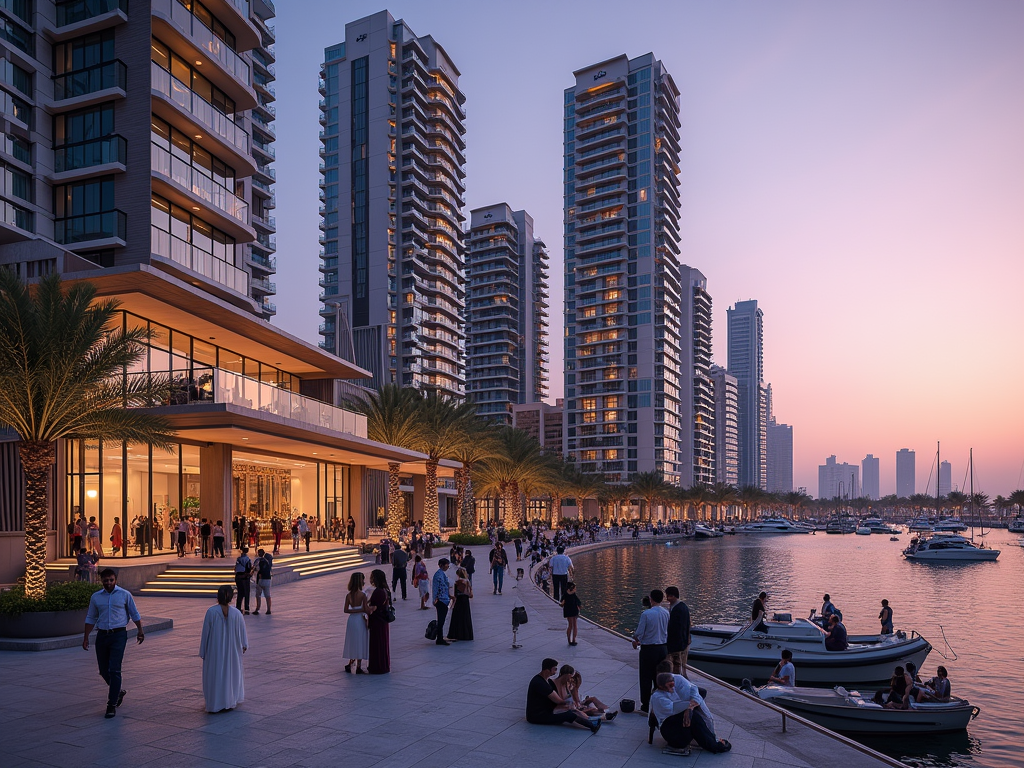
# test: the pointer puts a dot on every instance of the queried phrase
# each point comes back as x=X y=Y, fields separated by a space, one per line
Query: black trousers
x=650 y=657
x=442 y=614
x=559 y=582
x=700 y=730
x=218 y=546
x=109 y=655
x=242 y=585
x=398 y=575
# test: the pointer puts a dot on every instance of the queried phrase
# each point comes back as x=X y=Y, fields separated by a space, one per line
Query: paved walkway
x=441 y=707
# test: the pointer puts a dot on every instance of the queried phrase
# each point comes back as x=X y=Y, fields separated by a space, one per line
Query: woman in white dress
x=221 y=648
x=357 y=635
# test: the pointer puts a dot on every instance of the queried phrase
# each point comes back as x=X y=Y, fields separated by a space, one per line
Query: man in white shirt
x=651 y=637
x=683 y=716
x=785 y=672
x=109 y=611
x=561 y=572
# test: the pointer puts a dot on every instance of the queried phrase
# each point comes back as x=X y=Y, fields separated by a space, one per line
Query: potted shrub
x=60 y=613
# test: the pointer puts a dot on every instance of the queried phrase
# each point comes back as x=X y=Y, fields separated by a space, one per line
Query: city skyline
x=855 y=158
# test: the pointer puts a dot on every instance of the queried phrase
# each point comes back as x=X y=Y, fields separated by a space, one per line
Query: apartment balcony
x=79 y=17
x=166 y=246
x=263 y=285
x=265 y=149
x=176 y=26
x=92 y=85
x=104 y=155
x=267 y=263
x=105 y=228
x=269 y=308
x=173 y=100
x=263 y=116
x=268 y=223
x=16 y=223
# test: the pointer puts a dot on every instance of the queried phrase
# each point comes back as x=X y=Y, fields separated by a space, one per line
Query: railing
x=17 y=36
x=206 y=264
x=113 y=74
x=91 y=226
x=185 y=175
x=204 y=38
x=73 y=11
x=204 y=112
x=110 y=149
x=16 y=216
x=20 y=8
x=263 y=261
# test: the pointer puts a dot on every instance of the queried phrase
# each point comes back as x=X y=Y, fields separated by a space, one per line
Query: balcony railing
x=15 y=215
x=91 y=226
x=204 y=38
x=73 y=11
x=202 y=110
x=110 y=149
x=113 y=74
x=206 y=264
x=183 y=174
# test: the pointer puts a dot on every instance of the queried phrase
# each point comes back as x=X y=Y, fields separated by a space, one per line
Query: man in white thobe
x=221 y=648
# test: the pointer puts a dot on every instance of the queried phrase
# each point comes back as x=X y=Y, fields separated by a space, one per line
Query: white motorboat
x=842 y=525
x=947 y=548
x=1016 y=525
x=949 y=525
x=1021 y=542
x=744 y=652
x=773 y=525
x=877 y=526
x=863 y=530
x=920 y=525
x=851 y=712
x=701 y=531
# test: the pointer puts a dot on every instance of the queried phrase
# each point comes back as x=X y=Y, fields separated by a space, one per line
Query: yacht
x=920 y=525
x=949 y=525
x=841 y=526
x=1016 y=525
x=947 y=548
x=701 y=531
x=877 y=526
x=773 y=525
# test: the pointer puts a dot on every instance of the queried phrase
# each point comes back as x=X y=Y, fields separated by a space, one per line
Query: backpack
x=431 y=633
x=246 y=568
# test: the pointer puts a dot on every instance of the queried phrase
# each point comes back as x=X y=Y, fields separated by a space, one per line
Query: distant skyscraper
x=543 y=422
x=905 y=472
x=623 y=371
x=697 y=447
x=727 y=449
x=780 y=457
x=945 y=478
x=869 y=473
x=746 y=363
x=506 y=312
x=838 y=480
x=392 y=187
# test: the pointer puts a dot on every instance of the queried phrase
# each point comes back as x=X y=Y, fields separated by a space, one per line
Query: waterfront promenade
x=441 y=707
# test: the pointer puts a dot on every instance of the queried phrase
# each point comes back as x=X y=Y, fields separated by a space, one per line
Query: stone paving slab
x=441 y=707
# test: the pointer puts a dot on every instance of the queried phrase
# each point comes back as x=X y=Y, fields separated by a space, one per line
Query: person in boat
x=936 y=689
x=836 y=637
x=899 y=684
x=827 y=609
x=758 y=611
x=785 y=672
x=683 y=716
x=885 y=617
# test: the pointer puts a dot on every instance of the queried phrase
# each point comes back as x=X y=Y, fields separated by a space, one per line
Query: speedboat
x=850 y=712
x=947 y=548
x=877 y=526
x=773 y=525
x=1016 y=525
x=701 y=531
x=863 y=530
x=949 y=525
x=735 y=653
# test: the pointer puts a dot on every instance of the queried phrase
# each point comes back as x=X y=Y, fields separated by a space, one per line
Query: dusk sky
x=858 y=168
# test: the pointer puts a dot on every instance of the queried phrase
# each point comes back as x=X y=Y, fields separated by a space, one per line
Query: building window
x=191 y=79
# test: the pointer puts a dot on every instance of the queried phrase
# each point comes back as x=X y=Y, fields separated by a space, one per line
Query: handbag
x=389 y=612
x=519 y=614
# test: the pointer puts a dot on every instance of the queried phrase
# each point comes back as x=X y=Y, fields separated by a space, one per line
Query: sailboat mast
x=938 y=474
x=971 y=462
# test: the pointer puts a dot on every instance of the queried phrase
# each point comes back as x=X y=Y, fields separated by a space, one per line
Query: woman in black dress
x=461 y=625
x=570 y=611
x=380 y=630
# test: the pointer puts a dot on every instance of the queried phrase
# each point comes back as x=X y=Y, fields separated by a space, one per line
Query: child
x=570 y=611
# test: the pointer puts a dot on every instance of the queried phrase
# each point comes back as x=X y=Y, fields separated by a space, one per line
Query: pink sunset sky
x=858 y=168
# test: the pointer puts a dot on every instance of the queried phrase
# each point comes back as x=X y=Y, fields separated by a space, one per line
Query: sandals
x=348 y=667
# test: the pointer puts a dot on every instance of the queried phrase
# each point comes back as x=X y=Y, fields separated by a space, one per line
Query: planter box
x=44 y=624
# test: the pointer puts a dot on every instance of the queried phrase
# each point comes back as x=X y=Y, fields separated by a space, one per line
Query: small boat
x=851 y=712
x=894 y=538
x=949 y=525
x=947 y=548
x=1021 y=542
x=734 y=653
x=841 y=525
x=877 y=526
x=1016 y=525
x=701 y=531
x=920 y=525
x=773 y=525
x=863 y=530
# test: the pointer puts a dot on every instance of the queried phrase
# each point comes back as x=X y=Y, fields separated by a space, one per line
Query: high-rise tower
x=869 y=474
x=506 y=312
x=697 y=407
x=727 y=445
x=746 y=363
x=392 y=192
x=623 y=377
x=906 y=469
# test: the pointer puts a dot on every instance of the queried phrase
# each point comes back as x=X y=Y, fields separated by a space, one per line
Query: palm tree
x=62 y=377
x=478 y=446
x=517 y=460
x=393 y=418
x=446 y=428
x=750 y=497
x=698 y=496
x=1017 y=499
x=586 y=486
x=721 y=494
x=557 y=484
x=651 y=488
x=796 y=500
x=957 y=500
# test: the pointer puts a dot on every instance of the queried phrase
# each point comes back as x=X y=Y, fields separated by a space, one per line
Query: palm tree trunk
x=556 y=510
x=465 y=501
x=394 y=501
x=37 y=458
x=509 y=497
x=431 y=518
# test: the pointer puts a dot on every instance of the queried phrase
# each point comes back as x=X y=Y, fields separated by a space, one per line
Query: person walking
x=461 y=625
x=116 y=537
x=651 y=637
x=109 y=611
x=95 y=548
x=221 y=647
x=182 y=536
x=218 y=539
x=305 y=533
x=399 y=561
x=277 y=528
x=442 y=597
x=263 y=570
x=561 y=571
x=350 y=530
x=469 y=564
x=243 y=575
x=357 y=634
x=206 y=538
x=571 y=604
x=678 y=639
x=380 y=629
x=499 y=564
x=421 y=581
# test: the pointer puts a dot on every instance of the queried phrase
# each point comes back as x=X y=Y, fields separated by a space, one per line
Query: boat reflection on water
x=938 y=750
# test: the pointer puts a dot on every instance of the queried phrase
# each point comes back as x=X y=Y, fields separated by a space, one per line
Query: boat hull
x=954 y=556
x=839 y=713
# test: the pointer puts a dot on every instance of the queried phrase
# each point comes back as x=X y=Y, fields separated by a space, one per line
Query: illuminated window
x=611 y=415
x=590 y=403
x=643 y=194
x=611 y=454
x=589 y=417
x=612 y=295
x=588 y=455
x=612 y=401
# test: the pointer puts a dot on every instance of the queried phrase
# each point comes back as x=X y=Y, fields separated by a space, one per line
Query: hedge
x=468 y=539
x=60 y=596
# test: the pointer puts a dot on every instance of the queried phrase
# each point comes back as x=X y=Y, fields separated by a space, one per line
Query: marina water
x=978 y=607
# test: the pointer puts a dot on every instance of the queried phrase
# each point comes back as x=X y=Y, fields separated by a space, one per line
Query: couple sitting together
x=553 y=698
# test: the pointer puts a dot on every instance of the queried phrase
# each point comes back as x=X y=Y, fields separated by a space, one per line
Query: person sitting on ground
x=566 y=685
x=785 y=672
x=836 y=637
x=541 y=700
x=937 y=689
x=683 y=716
x=589 y=703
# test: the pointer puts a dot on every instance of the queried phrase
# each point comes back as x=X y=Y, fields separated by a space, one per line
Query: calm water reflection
x=977 y=606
